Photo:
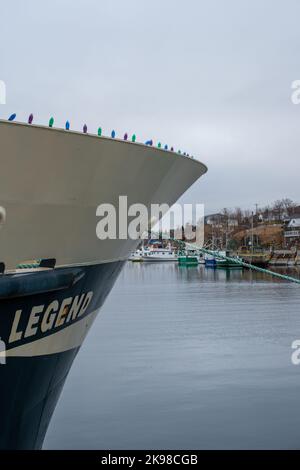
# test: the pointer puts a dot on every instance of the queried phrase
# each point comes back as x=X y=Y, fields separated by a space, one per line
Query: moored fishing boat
x=136 y=256
x=218 y=261
x=190 y=257
x=188 y=260
x=257 y=257
x=159 y=255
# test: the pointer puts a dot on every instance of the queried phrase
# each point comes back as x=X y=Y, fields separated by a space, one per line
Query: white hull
x=52 y=181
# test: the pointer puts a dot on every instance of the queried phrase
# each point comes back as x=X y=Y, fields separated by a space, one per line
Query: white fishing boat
x=159 y=255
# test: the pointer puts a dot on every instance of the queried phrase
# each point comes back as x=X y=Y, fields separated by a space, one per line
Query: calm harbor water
x=185 y=358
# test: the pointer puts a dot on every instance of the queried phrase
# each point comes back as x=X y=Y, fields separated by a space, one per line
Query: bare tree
x=238 y=215
x=278 y=208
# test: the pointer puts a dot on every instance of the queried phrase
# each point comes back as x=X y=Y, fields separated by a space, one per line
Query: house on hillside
x=294 y=222
x=220 y=220
x=214 y=219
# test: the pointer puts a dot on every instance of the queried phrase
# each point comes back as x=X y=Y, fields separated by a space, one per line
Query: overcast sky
x=210 y=77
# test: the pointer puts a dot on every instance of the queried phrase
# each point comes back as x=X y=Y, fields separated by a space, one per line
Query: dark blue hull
x=43 y=320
